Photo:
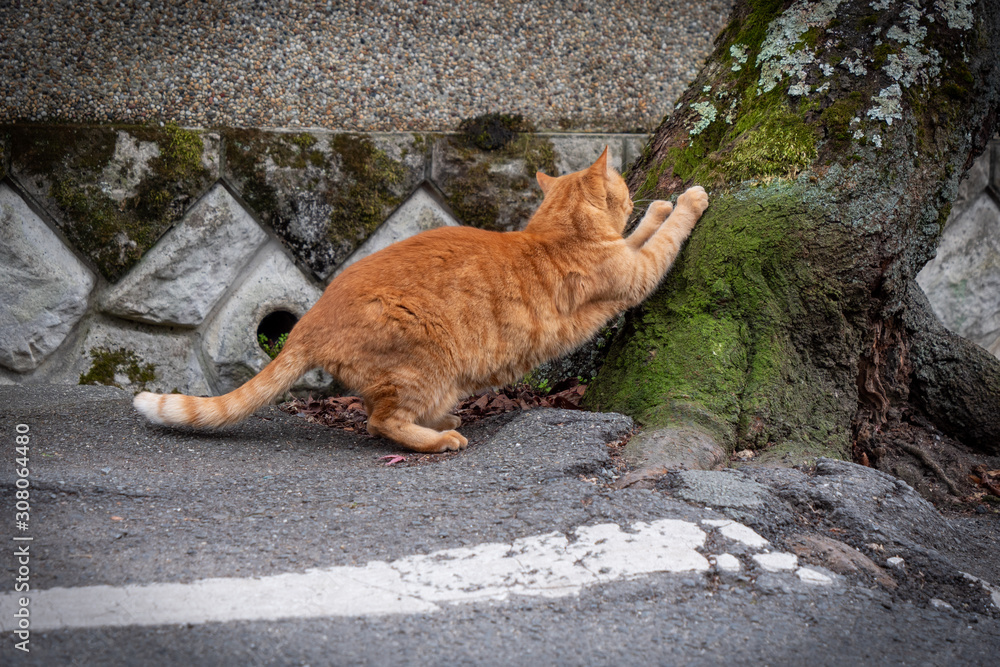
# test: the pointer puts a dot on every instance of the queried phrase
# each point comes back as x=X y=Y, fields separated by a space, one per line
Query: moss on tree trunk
x=831 y=140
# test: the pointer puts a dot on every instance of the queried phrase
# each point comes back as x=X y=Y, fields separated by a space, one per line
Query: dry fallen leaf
x=348 y=413
x=392 y=459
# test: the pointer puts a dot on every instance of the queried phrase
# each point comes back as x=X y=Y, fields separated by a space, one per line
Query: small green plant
x=272 y=347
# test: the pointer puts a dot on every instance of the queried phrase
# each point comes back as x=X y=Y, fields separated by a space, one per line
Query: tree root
x=925 y=458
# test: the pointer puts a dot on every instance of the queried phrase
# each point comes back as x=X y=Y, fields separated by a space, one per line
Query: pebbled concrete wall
x=147 y=257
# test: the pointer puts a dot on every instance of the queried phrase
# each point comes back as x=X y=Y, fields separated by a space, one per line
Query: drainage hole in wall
x=273 y=331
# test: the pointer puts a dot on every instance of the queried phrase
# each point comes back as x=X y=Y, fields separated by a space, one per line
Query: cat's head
x=598 y=185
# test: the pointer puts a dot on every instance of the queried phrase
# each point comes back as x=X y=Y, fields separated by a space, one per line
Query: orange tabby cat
x=426 y=321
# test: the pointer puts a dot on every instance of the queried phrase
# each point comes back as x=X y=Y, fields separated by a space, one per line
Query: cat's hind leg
x=387 y=419
x=438 y=414
x=441 y=423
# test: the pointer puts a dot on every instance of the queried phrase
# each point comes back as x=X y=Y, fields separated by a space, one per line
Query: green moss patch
x=716 y=346
x=766 y=140
x=65 y=166
x=781 y=145
x=365 y=197
x=323 y=195
x=112 y=366
x=478 y=183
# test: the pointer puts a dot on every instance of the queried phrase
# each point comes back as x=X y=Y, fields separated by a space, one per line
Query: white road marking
x=811 y=576
x=548 y=565
x=727 y=563
x=736 y=531
x=777 y=561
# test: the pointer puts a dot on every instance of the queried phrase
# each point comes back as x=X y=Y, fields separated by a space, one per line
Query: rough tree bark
x=832 y=135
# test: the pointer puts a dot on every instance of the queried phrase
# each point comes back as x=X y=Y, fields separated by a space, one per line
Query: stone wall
x=149 y=257
x=963 y=281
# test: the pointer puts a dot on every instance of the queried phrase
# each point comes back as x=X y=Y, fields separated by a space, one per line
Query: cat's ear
x=601 y=165
x=596 y=177
x=544 y=181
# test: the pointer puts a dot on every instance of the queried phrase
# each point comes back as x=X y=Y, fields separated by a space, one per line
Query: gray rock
x=180 y=280
x=417 y=214
x=44 y=286
x=123 y=354
x=673 y=448
x=229 y=340
x=962 y=282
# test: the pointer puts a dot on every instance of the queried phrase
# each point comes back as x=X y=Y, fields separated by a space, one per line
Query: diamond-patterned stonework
x=323 y=194
x=417 y=214
x=199 y=235
x=181 y=279
x=229 y=340
x=113 y=191
x=45 y=288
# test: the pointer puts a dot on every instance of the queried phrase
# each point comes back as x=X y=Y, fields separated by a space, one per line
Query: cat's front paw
x=694 y=198
x=660 y=209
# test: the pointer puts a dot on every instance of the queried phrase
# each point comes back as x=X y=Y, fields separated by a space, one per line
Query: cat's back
x=437 y=258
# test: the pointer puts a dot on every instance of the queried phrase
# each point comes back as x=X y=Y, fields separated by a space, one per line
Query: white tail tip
x=148 y=405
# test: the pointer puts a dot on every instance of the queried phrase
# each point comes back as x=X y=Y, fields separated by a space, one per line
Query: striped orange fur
x=424 y=322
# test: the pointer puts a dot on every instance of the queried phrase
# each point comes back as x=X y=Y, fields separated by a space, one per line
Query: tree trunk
x=831 y=137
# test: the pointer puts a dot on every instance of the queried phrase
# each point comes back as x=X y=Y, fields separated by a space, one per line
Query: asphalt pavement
x=280 y=542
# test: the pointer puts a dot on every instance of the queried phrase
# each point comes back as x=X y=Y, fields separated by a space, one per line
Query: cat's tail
x=182 y=410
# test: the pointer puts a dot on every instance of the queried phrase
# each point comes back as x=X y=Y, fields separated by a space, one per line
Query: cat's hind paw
x=444 y=423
